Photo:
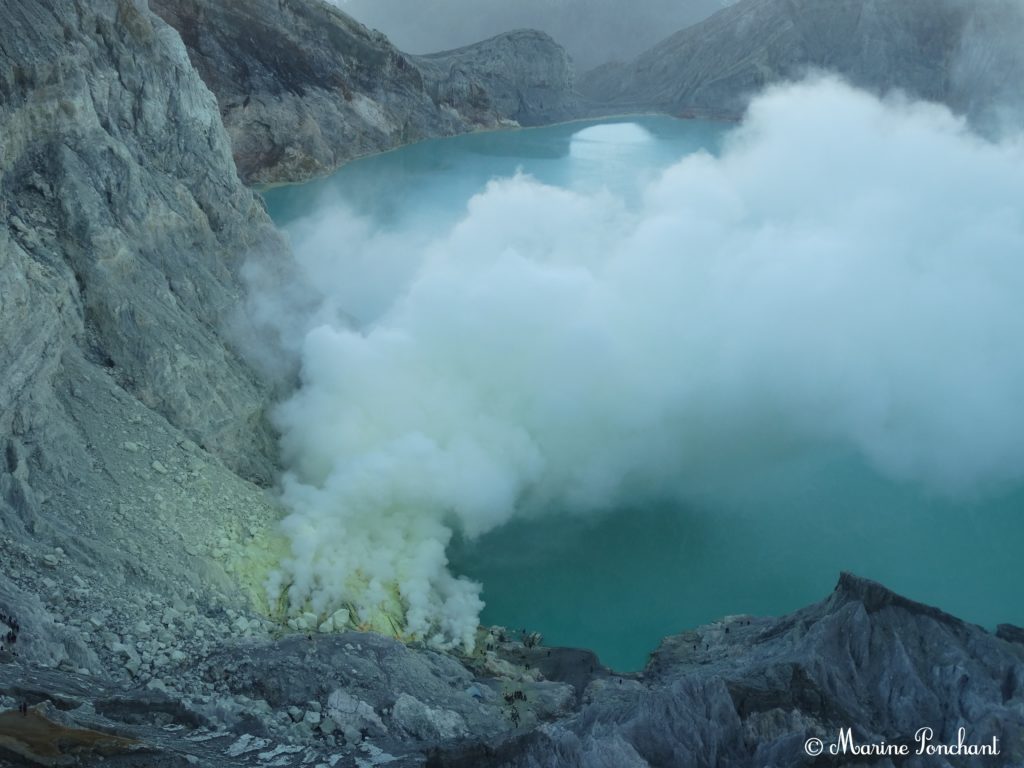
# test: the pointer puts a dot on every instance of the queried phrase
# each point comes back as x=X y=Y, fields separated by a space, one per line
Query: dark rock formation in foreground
x=750 y=692
x=303 y=87
x=741 y=693
x=964 y=53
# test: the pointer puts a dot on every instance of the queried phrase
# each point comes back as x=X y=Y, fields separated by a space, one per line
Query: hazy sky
x=593 y=31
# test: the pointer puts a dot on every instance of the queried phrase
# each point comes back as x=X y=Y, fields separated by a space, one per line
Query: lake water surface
x=766 y=542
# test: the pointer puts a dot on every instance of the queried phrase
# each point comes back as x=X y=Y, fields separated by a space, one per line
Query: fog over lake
x=660 y=371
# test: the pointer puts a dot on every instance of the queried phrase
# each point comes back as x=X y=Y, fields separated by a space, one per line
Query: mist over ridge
x=967 y=54
x=846 y=273
x=593 y=31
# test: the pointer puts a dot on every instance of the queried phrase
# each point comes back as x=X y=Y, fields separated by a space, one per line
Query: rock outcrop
x=303 y=88
x=748 y=692
x=965 y=53
x=741 y=693
x=523 y=76
x=132 y=433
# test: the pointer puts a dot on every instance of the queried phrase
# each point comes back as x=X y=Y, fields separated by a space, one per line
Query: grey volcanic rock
x=303 y=87
x=741 y=693
x=127 y=422
x=965 y=53
x=522 y=76
x=749 y=692
x=127 y=227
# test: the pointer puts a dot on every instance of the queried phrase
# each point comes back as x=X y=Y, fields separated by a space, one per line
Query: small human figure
x=515 y=716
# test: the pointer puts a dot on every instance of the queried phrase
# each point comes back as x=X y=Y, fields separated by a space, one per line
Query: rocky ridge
x=133 y=433
x=964 y=53
x=303 y=87
x=743 y=692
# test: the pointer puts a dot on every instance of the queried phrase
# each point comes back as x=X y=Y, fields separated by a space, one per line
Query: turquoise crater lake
x=765 y=542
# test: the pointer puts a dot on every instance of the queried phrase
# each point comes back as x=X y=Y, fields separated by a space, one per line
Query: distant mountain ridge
x=303 y=87
x=592 y=31
x=968 y=54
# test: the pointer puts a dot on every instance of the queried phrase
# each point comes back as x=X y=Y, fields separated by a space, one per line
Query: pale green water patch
x=767 y=546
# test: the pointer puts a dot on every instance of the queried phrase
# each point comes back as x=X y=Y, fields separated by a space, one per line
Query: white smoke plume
x=849 y=272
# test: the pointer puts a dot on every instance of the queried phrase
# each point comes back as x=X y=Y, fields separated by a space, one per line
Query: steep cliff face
x=120 y=400
x=523 y=76
x=303 y=87
x=964 y=53
x=128 y=224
